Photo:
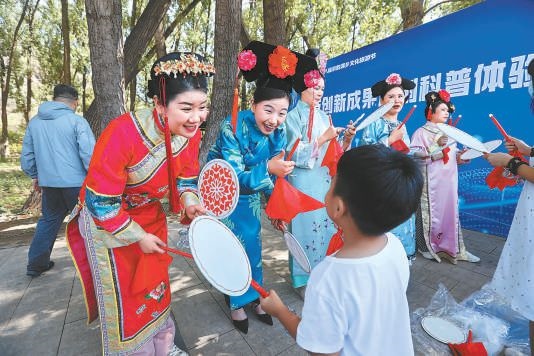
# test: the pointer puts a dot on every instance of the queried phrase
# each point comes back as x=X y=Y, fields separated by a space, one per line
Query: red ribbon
x=173 y=190
x=445 y=152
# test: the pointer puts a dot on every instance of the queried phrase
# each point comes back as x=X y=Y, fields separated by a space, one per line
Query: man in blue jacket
x=56 y=151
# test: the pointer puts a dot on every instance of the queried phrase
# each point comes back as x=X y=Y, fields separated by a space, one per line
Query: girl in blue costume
x=384 y=131
x=313 y=128
x=255 y=149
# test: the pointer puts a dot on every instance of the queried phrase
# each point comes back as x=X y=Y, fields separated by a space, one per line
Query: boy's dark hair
x=381 y=187
x=65 y=91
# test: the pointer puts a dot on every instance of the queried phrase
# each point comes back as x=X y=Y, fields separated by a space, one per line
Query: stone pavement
x=46 y=315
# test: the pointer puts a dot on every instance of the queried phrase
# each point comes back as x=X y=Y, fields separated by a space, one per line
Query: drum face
x=443 y=330
x=218 y=187
x=297 y=252
x=462 y=137
x=472 y=154
x=220 y=256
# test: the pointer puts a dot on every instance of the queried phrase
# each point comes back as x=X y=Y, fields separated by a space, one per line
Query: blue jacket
x=57 y=146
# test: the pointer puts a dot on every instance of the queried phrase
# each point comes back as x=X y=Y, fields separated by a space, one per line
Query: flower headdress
x=433 y=99
x=187 y=64
x=393 y=80
x=274 y=67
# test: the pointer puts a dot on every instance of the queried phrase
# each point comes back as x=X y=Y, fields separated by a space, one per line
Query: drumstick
x=253 y=283
x=456 y=121
x=178 y=252
x=259 y=289
x=507 y=138
x=407 y=117
x=499 y=127
x=293 y=149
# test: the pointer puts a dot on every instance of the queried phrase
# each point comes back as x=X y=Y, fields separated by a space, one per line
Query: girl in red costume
x=117 y=232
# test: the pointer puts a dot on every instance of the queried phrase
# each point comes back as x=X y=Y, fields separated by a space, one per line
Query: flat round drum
x=218 y=188
x=443 y=330
x=220 y=256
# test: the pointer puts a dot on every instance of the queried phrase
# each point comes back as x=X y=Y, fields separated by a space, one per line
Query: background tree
x=274 y=24
x=104 y=25
x=6 y=85
x=412 y=12
x=133 y=82
x=107 y=41
x=227 y=31
x=65 y=31
x=29 y=61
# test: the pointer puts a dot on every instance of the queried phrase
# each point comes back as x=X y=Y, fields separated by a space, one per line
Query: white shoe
x=426 y=255
x=176 y=351
x=469 y=257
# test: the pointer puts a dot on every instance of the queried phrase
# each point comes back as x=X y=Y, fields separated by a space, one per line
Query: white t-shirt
x=358 y=305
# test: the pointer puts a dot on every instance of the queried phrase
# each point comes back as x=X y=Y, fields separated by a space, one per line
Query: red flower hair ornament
x=444 y=95
x=282 y=62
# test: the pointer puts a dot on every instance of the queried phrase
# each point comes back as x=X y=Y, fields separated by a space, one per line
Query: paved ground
x=45 y=315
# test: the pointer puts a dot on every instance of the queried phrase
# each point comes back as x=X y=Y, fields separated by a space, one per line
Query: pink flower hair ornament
x=394 y=79
x=246 y=60
x=312 y=78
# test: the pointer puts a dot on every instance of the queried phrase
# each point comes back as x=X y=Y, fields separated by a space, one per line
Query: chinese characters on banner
x=480 y=78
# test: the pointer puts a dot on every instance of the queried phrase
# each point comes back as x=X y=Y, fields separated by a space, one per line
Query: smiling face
x=441 y=115
x=396 y=95
x=270 y=114
x=313 y=96
x=185 y=112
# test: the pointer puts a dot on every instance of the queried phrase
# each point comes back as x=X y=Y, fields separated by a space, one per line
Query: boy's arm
x=273 y=305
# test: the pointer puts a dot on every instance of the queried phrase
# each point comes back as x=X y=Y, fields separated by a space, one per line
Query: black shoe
x=264 y=318
x=227 y=300
x=37 y=273
x=241 y=325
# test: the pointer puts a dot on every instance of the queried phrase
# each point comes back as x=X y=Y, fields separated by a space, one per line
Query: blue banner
x=480 y=55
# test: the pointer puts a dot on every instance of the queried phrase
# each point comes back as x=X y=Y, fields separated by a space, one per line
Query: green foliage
x=335 y=26
x=14 y=188
x=14 y=184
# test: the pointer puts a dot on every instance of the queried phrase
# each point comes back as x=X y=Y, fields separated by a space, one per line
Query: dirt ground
x=17 y=232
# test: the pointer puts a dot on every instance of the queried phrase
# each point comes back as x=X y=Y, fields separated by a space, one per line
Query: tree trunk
x=245 y=38
x=227 y=31
x=84 y=91
x=65 y=32
x=104 y=25
x=29 y=72
x=412 y=13
x=136 y=43
x=177 y=21
x=28 y=105
x=207 y=32
x=159 y=40
x=134 y=48
x=4 y=142
x=274 y=23
x=133 y=83
x=33 y=203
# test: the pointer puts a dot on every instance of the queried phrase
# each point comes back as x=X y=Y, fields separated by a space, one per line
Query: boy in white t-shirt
x=355 y=302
